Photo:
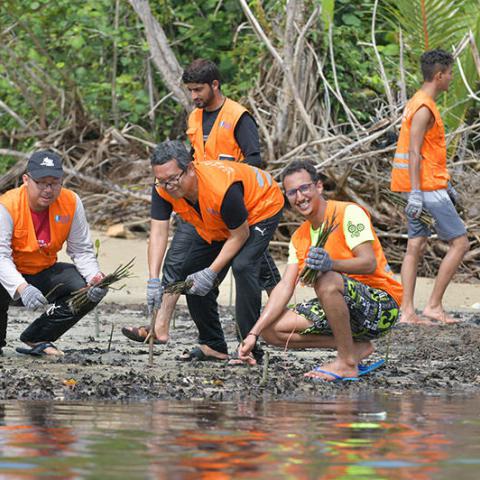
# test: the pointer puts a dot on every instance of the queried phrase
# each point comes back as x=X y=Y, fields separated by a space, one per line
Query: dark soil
x=434 y=359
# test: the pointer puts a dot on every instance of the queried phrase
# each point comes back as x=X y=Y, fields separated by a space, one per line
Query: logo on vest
x=225 y=124
x=47 y=162
x=62 y=218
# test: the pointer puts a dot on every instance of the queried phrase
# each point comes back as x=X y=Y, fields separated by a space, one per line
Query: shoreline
x=431 y=359
x=115 y=251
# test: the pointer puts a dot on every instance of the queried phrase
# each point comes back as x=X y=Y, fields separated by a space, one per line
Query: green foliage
x=429 y=24
x=201 y=29
x=358 y=76
x=57 y=57
x=328 y=9
x=64 y=50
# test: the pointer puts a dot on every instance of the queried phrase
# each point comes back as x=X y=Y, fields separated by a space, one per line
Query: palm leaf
x=429 y=24
x=457 y=100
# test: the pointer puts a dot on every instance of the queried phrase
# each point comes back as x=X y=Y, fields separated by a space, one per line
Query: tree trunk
x=162 y=55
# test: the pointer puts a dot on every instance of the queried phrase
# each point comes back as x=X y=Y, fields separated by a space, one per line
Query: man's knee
x=461 y=244
x=272 y=337
x=416 y=246
x=328 y=283
x=243 y=267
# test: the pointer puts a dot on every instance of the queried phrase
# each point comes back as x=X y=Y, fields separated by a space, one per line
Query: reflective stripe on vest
x=433 y=168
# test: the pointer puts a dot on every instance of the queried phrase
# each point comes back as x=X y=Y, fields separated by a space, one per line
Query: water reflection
x=372 y=437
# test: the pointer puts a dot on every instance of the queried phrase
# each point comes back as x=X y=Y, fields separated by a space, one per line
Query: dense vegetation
x=67 y=61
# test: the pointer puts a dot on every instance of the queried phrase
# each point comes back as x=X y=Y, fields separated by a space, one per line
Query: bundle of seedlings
x=179 y=288
x=79 y=299
x=308 y=275
x=182 y=287
x=401 y=201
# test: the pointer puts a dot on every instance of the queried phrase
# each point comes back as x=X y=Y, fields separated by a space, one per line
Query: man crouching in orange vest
x=235 y=209
x=36 y=219
x=357 y=298
x=420 y=168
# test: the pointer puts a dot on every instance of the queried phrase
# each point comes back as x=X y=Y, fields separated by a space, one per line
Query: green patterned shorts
x=373 y=312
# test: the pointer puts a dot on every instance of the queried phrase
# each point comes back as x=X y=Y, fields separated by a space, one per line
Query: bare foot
x=413 y=318
x=210 y=352
x=339 y=370
x=55 y=352
x=362 y=350
x=439 y=314
x=161 y=332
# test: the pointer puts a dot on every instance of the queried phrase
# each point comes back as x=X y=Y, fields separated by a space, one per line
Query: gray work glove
x=154 y=294
x=95 y=294
x=415 y=204
x=318 y=259
x=33 y=298
x=202 y=282
x=452 y=193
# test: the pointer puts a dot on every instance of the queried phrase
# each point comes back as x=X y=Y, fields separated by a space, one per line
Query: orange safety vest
x=262 y=195
x=221 y=143
x=433 y=165
x=28 y=256
x=336 y=246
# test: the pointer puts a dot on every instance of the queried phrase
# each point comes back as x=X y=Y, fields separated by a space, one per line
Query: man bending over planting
x=235 y=209
x=357 y=298
x=36 y=219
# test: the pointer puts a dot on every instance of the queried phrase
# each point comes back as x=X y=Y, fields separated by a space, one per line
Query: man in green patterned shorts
x=357 y=298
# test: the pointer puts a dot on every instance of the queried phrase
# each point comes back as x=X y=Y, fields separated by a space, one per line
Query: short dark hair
x=299 y=165
x=435 y=61
x=171 y=150
x=201 y=71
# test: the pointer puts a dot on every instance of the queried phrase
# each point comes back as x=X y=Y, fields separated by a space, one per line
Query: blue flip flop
x=337 y=378
x=366 y=369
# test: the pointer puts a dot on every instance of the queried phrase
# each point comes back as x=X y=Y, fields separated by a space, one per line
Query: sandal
x=133 y=333
x=197 y=355
x=38 y=350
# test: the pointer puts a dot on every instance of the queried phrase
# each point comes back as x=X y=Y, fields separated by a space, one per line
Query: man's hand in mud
x=245 y=349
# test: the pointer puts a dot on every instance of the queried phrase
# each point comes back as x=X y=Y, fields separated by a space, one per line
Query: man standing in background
x=420 y=168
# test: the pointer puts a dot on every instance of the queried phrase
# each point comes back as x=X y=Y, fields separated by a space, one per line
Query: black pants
x=246 y=270
x=180 y=245
x=60 y=279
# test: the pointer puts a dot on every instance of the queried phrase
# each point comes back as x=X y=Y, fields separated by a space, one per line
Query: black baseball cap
x=45 y=163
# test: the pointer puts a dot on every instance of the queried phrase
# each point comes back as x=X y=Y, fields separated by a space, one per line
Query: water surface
x=371 y=437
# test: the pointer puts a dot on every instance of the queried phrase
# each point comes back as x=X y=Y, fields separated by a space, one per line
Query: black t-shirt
x=245 y=133
x=232 y=211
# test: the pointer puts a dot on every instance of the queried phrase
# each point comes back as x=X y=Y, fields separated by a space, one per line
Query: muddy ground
x=433 y=359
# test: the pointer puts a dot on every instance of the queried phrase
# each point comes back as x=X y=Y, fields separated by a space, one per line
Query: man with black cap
x=36 y=219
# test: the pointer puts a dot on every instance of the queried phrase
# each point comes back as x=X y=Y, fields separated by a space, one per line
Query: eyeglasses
x=44 y=185
x=171 y=182
x=305 y=188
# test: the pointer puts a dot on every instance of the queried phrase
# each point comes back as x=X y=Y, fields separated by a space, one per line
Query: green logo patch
x=355 y=230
